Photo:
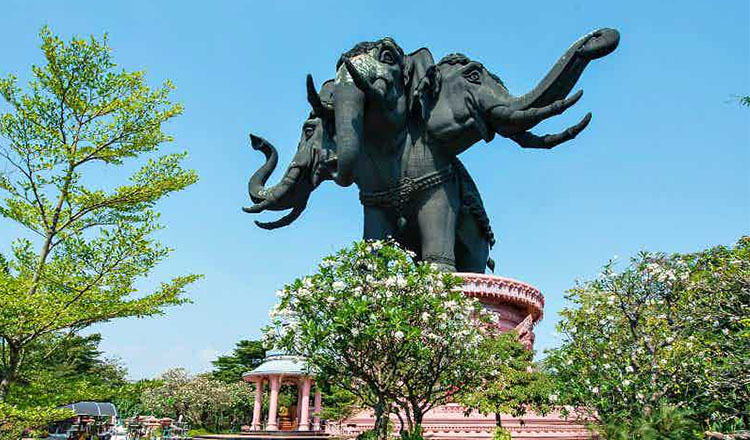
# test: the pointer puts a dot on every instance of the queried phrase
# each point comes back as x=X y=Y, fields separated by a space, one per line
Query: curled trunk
x=256 y=185
x=292 y=191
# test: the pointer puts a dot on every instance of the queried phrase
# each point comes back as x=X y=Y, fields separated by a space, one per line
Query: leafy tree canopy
x=80 y=118
x=61 y=369
x=668 y=333
x=245 y=357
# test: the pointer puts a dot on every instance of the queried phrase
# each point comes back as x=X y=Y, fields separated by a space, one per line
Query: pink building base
x=519 y=306
x=448 y=422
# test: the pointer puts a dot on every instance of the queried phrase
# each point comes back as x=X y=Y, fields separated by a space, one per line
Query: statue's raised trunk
x=256 y=184
x=349 y=102
x=277 y=197
x=568 y=69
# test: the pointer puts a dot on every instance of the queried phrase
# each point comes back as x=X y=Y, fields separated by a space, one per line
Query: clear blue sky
x=663 y=165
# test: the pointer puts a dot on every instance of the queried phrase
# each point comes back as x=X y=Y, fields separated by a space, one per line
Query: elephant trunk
x=349 y=103
x=568 y=69
x=256 y=184
x=276 y=197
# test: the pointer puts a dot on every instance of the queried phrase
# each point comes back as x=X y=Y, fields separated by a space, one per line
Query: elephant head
x=305 y=172
x=370 y=103
x=462 y=102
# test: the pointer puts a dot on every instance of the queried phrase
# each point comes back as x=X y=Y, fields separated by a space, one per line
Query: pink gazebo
x=278 y=369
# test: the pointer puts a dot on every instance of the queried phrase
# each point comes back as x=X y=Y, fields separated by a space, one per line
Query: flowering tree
x=396 y=334
x=668 y=331
x=202 y=400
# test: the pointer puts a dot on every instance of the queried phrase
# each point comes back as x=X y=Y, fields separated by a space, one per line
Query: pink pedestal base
x=449 y=423
x=519 y=306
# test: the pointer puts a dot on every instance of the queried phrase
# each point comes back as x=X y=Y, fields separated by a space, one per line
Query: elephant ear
x=426 y=93
x=420 y=74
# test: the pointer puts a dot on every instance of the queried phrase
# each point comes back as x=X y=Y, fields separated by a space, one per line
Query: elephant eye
x=473 y=75
x=387 y=57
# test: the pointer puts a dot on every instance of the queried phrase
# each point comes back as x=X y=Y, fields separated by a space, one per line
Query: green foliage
x=669 y=331
x=665 y=423
x=414 y=434
x=517 y=386
x=396 y=334
x=338 y=403
x=247 y=355
x=60 y=369
x=128 y=397
x=14 y=421
x=501 y=434
x=368 y=435
x=199 y=431
x=745 y=100
x=80 y=118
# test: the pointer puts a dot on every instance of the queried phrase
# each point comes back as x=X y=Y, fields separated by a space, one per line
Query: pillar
x=299 y=401
x=258 y=407
x=304 y=423
x=318 y=407
x=273 y=404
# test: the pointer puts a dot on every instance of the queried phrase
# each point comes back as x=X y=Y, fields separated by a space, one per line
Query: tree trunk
x=381 y=421
x=9 y=376
x=417 y=429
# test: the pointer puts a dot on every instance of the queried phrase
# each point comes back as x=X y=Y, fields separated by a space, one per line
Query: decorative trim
x=497 y=291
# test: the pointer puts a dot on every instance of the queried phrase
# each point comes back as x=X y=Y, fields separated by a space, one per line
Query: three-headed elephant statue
x=394 y=124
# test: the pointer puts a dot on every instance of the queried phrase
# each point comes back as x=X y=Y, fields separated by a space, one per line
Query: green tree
x=399 y=336
x=668 y=332
x=245 y=357
x=60 y=369
x=517 y=386
x=338 y=403
x=81 y=119
x=14 y=421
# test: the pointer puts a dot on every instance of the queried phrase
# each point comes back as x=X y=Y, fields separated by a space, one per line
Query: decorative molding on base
x=448 y=422
x=519 y=306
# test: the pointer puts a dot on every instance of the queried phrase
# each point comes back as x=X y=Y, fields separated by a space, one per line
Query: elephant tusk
x=320 y=109
x=359 y=80
x=283 y=221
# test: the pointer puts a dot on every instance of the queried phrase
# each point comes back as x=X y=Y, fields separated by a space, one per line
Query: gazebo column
x=304 y=423
x=258 y=407
x=299 y=402
x=317 y=408
x=273 y=404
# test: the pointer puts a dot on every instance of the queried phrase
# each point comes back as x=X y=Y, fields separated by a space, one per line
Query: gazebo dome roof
x=278 y=362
